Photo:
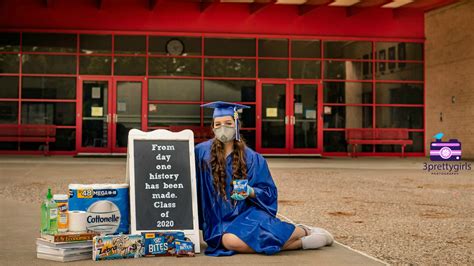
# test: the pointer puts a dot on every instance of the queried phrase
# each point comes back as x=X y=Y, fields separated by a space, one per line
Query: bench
x=378 y=136
x=29 y=133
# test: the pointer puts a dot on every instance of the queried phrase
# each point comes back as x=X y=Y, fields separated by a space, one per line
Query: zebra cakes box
x=117 y=247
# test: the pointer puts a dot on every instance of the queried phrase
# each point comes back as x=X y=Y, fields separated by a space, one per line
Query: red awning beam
x=304 y=7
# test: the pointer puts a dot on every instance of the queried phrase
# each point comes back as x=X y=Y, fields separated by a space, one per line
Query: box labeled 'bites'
x=184 y=248
x=161 y=244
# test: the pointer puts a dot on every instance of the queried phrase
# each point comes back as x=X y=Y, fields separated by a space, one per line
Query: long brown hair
x=218 y=164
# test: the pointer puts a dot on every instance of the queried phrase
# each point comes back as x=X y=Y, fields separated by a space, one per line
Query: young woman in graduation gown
x=233 y=223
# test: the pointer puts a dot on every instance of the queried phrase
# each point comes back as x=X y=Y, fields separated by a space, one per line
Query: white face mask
x=224 y=133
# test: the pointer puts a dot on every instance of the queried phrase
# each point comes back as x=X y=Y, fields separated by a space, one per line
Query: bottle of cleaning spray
x=49 y=215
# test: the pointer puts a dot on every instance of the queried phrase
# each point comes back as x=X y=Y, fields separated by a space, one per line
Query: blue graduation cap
x=227 y=109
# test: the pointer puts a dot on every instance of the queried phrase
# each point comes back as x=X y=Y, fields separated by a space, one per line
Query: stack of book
x=65 y=246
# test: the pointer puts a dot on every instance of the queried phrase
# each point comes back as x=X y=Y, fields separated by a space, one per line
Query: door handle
x=293 y=120
x=286 y=120
x=115 y=119
x=107 y=118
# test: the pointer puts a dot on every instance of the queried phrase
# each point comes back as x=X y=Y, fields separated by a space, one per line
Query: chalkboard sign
x=160 y=167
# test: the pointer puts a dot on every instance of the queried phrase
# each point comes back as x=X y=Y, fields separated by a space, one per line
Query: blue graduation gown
x=252 y=220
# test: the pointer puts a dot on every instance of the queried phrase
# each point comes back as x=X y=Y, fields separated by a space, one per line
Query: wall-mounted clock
x=175 y=47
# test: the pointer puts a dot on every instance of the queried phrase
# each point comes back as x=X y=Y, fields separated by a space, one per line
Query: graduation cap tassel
x=236 y=118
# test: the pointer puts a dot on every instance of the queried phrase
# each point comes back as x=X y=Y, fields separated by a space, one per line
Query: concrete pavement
x=19 y=221
x=19 y=224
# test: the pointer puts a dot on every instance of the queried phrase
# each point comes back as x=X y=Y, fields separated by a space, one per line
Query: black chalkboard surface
x=162 y=178
x=162 y=185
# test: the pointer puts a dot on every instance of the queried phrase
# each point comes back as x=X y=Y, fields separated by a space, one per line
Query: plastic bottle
x=62 y=202
x=49 y=215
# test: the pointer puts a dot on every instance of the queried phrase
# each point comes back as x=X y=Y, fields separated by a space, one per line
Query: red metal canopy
x=256 y=5
x=357 y=18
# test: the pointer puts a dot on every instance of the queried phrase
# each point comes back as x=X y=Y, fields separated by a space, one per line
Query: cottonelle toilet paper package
x=107 y=206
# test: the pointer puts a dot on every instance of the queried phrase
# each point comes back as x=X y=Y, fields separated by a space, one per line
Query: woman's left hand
x=249 y=191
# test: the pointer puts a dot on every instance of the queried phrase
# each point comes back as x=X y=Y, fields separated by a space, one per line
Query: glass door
x=272 y=117
x=305 y=118
x=289 y=117
x=93 y=115
x=127 y=110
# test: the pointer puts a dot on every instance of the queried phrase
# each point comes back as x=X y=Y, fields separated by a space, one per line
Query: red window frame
x=289 y=59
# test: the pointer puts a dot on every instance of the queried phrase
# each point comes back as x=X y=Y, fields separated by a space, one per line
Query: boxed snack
x=240 y=187
x=161 y=244
x=117 y=247
x=184 y=248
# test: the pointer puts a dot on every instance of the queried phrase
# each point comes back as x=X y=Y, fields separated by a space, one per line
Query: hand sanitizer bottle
x=49 y=215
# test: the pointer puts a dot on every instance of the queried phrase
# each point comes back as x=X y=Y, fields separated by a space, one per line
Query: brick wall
x=449 y=59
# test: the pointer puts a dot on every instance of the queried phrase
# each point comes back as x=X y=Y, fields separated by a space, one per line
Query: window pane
x=394 y=93
x=5 y=146
x=130 y=66
x=9 y=63
x=130 y=44
x=49 y=64
x=95 y=65
x=229 y=90
x=226 y=67
x=335 y=141
x=65 y=140
x=8 y=112
x=247 y=116
x=273 y=47
x=399 y=117
x=347 y=70
x=95 y=44
x=403 y=71
x=347 y=50
x=417 y=146
x=8 y=87
x=273 y=125
x=174 y=45
x=305 y=69
x=61 y=114
x=347 y=92
x=174 y=115
x=9 y=41
x=229 y=47
x=305 y=49
x=48 y=88
x=249 y=137
x=164 y=66
x=402 y=50
x=174 y=89
x=49 y=42
x=347 y=116
x=273 y=68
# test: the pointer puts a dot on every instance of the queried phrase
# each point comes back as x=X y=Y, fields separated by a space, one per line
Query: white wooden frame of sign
x=162 y=134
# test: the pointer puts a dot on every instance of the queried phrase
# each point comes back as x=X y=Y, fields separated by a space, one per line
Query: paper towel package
x=107 y=206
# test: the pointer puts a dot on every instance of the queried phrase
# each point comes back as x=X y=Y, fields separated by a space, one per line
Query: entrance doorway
x=289 y=117
x=107 y=109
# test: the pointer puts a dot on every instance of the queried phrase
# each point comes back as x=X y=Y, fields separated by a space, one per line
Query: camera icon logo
x=445 y=151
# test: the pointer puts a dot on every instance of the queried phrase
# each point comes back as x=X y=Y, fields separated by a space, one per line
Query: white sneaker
x=318 y=230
